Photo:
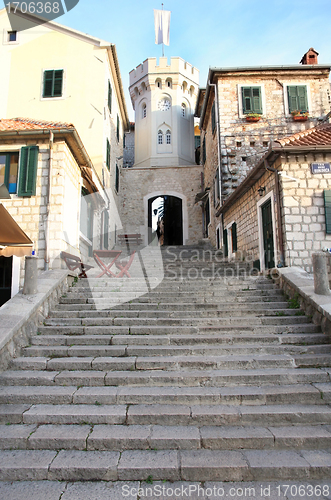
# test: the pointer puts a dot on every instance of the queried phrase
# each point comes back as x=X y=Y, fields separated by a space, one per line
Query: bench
x=73 y=262
x=130 y=238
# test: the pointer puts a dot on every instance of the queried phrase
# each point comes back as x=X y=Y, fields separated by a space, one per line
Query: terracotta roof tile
x=317 y=136
x=7 y=125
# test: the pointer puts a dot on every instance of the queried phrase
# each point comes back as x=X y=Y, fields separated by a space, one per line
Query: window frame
x=168 y=137
x=160 y=138
x=52 y=97
x=285 y=95
x=242 y=113
x=297 y=107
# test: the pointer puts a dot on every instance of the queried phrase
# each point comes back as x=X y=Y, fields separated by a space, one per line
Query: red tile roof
x=317 y=136
x=27 y=124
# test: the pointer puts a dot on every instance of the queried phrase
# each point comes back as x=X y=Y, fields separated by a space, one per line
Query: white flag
x=162 y=26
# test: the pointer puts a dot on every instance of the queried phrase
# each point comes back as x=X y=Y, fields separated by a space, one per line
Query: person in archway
x=160 y=231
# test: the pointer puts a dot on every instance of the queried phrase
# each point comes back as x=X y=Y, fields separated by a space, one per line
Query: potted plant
x=300 y=116
x=253 y=117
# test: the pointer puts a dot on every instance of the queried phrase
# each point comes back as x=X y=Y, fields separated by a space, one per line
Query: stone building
x=44 y=167
x=165 y=178
x=54 y=73
x=281 y=213
x=241 y=111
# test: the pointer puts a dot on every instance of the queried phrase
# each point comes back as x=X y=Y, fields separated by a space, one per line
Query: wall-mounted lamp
x=261 y=190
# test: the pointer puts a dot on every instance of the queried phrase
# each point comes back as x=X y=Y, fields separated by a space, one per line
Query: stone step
x=171 y=321
x=171 y=414
x=165 y=465
x=168 y=329
x=157 y=378
x=181 y=340
x=240 y=395
x=170 y=362
x=102 y=437
x=175 y=350
x=160 y=312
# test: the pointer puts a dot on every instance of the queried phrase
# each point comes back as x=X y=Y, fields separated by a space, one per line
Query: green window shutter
x=117 y=179
x=293 y=104
x=327 y=206
x=118 y=128
x=28 y=171
x=109 y=96
x=108 y=155
x=234 y=237
x=246 y=99
x=302 y=98
x=225 y=243
x=251 y=100
x=213 y=118
x=204 y=157
x=256 y=100
x=53 y=83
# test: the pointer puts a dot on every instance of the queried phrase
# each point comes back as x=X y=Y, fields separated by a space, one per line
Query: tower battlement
x=177 y=66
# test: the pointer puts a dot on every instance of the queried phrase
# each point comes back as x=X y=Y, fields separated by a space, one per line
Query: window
x=108 y=155
x=53 y=83
x=117 y=179
x=183 y=110
x=28 y=171
x=106 y=229
x=297 y=98
x=9 y=171
x=86 y=214
x=144 y=111
x=12 y=36
x=110 y=91
x=168 y=137
x=217 y=188
x=213 y=118
x=118 y=128
x=251 y=100
x=234 y=237
x=160 y=137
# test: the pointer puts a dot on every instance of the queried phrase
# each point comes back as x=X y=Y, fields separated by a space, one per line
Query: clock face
x=164 y=104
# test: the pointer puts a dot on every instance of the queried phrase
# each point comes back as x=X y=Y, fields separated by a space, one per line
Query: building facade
x=45 y=169
x=44 y=79
x=165 y=178
x=241 y=111
x=281 y=212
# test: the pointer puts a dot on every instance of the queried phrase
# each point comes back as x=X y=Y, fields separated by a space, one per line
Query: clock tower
x=163 y=97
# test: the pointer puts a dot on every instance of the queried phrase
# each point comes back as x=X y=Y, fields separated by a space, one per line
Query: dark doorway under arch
x=169 y=210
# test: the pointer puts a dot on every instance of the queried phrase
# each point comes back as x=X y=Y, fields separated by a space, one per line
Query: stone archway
x=170 y=208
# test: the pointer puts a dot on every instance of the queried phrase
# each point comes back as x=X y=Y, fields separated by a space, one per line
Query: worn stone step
x=163 y=414
x=247 y=395
x=191 y=378
x=171 y=465
x=118 y=437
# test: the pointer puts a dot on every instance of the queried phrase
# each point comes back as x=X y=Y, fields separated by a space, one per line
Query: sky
x=213 y=33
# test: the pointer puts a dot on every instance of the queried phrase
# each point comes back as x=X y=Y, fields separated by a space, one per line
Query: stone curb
x=295 y=280
x=21 y=315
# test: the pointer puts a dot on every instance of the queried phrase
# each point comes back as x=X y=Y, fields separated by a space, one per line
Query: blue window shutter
x=28 y=171
x=327 y=206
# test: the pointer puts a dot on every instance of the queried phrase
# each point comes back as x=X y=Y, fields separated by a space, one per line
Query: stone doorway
x=165 y=216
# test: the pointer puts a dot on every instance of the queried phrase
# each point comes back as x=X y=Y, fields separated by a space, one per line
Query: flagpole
x=162 y=42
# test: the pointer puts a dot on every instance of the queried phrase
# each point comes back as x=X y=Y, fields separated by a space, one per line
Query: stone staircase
x=210 y=376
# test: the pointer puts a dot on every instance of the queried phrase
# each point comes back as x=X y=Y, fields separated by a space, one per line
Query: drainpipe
x=218 y=139
x=279 y=214
x=48 y=200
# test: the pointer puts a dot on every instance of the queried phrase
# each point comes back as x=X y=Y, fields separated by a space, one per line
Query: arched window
x=183 y=110
x=160 y=137
x=168 y=137
x=158 y=83
x=144 y=111
x=169 y=83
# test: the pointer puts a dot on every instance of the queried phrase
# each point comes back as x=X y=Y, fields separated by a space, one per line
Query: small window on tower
x=168 y=137
x=160 y=137
x=183 y=110
x=144 y=114
x=12 y=36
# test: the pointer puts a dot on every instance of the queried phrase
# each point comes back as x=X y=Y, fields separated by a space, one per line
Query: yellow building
x=54 y=73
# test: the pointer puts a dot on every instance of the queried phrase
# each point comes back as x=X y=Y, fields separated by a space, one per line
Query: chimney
x=310 y=57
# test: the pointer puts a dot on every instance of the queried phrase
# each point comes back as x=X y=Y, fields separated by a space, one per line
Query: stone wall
x=138 y=183
x=303 y=209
